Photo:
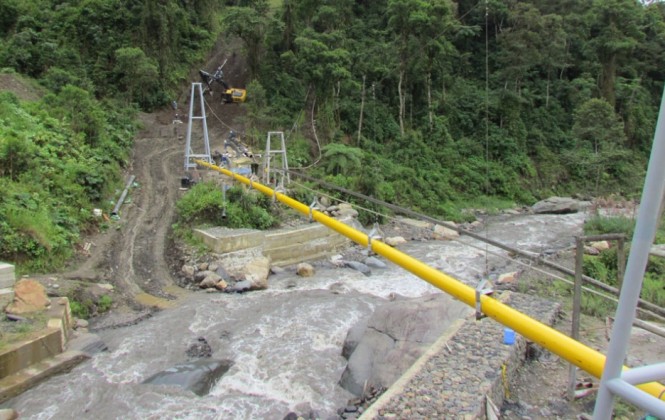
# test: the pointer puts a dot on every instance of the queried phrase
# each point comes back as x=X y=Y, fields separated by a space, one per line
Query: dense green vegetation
x=205 y=204
x=402 y=108
x=604 y=266
x=419 y=103
x=96 y=63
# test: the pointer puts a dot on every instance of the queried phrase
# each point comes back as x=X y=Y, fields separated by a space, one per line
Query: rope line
x=529 y=266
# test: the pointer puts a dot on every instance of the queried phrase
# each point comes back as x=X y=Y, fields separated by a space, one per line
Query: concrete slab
x=25 y=379
x=6 y=268
x=7 y=281
x=6 y=297
x=658 y=250
x=224 y=240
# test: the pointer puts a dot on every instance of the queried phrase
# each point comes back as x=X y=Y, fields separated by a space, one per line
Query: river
x=285 y=341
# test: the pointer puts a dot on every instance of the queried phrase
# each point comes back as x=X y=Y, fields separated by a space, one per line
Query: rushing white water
x=285 y=342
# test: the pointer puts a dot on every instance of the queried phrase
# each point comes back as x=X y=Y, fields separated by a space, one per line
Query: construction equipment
x=229 y=94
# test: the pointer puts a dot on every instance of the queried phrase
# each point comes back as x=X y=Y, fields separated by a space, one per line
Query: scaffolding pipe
x=121 y=200
x=648 y=218
x=573 y=351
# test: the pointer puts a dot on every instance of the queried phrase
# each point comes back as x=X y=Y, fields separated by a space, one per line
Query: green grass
x=14 y=331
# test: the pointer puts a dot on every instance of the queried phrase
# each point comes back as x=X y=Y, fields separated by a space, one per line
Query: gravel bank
x=458 y=374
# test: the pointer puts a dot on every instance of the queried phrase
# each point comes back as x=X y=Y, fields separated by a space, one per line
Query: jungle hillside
x=433 y=105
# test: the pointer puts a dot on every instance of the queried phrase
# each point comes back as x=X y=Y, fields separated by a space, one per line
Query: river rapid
x=285 y=341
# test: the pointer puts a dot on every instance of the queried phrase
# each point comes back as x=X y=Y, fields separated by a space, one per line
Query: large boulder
x=198 y=376
x=256 y=272
x=29 y=296
x=559 y=205
x=210 y=280
x=395 y=241
x=375 y=262
x=396 y=335
x=444 y=233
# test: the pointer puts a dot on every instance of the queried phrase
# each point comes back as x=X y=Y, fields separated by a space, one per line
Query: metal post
x=190 y=156
x=621 y=262
x=645 y=231
x=577 y=307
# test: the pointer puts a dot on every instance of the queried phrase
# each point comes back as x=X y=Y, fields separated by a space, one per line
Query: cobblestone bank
x=454 y=378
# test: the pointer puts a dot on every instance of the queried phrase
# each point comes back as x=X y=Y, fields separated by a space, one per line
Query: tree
x=615 y=34
x=600 y=137
x=250 y=25
x=342 y=159
x=137 y=75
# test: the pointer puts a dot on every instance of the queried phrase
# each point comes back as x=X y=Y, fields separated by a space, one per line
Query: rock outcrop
x=29 y=296
x=559 y=205
x=198 y=376
x=395 y=336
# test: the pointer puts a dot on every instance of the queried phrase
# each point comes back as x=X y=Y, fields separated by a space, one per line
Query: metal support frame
x=375 y=233
x=577 y=290
x=484 y=288
x=282 y=172
x=190 y=156
x=613 y=382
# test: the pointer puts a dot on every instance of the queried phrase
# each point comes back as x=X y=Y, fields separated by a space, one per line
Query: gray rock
x=395 y=241
x=241 y=286
x=559 y=205
x=200 y=275
x=396 y=335
x=358 y=266
x=188 y=271
x=375 y=262
x=210 y=281
x=221 y=272
x=276 y=269
x=256 y=272
x=305 y=270
x=199 y=349
x=198 y=376
x=353 y=337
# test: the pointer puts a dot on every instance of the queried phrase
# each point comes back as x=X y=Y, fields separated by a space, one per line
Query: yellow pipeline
x=560 y=344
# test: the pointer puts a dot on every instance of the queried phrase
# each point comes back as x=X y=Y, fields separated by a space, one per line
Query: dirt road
x=131 y=254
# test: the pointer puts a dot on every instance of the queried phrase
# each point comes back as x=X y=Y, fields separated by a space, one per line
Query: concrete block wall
x=283 y=247
x=39 y=345
x=7 y=280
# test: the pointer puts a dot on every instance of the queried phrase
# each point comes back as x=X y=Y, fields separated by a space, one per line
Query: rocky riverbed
x=285 y=341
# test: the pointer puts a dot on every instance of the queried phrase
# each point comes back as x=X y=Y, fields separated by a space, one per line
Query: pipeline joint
x=483 y=288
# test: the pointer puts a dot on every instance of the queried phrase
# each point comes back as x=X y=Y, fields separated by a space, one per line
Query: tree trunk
x=607 y=79
x=547 y=91
x=362 y=108
x=401 y=102
x=429 y=101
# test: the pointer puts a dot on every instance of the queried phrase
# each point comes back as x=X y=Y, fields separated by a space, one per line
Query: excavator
x=229 y=94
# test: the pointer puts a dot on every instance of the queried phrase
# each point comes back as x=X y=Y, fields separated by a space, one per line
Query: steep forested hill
x=98 y=62
x=420 y=103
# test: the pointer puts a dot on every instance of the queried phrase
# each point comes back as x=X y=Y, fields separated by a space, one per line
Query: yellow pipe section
x=560 y=344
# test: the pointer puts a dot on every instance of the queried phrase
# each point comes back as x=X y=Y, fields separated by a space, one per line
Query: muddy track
x=134 y=253
x=131 y=255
